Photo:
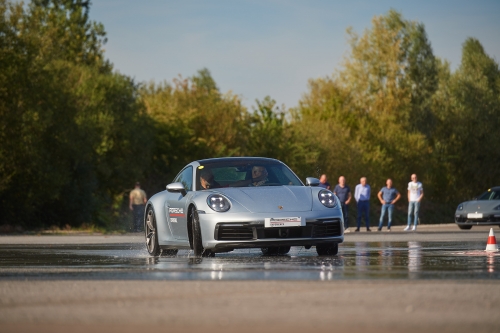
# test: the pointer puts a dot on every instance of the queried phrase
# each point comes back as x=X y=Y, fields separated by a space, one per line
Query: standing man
x=388 y=196
x=323 y=182
x=343 y=192
x=362 y=195
x=415 y=195
x=137 y=201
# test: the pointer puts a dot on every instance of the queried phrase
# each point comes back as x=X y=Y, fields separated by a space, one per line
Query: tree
x=468 y=107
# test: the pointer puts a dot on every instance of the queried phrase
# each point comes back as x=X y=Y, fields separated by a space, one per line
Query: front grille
x=320 y=229
x=234 y=233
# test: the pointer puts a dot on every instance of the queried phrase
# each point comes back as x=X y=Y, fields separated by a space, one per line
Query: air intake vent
x=326 y=230
x=234 y=233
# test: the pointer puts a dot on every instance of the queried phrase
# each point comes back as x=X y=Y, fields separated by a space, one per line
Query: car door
x=176 y=209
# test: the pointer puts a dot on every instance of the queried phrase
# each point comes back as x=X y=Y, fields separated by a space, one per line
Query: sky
x=271 y=48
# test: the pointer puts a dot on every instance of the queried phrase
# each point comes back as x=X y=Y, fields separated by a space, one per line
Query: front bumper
x=490 y=218
x=226 y=232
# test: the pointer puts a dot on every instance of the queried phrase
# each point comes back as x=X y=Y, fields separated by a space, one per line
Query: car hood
x=269 y=199
x=480 y=206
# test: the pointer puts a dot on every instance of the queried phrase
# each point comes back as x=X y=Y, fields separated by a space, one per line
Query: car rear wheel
x=465 y=227
x=327 y=249
x=150 y=231
x=275 y=250
x=198 y=249
x=169 y=252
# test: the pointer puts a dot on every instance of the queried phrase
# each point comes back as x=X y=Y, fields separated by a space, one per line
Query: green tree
x=468 y=108
x=72 y=132
x=193 y=120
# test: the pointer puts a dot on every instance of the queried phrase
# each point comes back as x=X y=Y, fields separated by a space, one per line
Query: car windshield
x=490 y=195
x=243 y=173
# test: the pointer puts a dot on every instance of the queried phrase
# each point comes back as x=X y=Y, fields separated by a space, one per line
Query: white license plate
x=475 y=216
x=280 y=222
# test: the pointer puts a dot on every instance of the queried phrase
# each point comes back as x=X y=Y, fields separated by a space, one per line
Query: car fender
x=157 y=201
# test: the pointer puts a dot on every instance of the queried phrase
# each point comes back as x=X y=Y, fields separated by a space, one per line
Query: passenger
x=207 y=179
x=259 y=176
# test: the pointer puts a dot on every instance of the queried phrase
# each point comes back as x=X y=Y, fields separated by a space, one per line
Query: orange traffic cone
x=491 y=246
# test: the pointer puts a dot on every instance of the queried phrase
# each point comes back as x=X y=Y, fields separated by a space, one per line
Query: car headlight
x=460 y=207
x=327 y=198
x=497 y=208
x=218 y=203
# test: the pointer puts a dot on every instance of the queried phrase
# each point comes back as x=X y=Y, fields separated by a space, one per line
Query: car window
x=239 y=174
x=186 y=178
x=490 y=195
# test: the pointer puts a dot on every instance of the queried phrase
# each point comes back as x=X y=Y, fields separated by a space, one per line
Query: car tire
x=465 y=227
x=169 y=252
x=327 y=249
x=282 y=250
x=198 y=249
x=269 y=251
x=275 y=250
x=150 y=233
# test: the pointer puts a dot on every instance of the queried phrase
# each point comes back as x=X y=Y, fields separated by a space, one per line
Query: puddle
x=361 y=260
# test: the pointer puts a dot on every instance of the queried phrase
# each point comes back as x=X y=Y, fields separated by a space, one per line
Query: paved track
x=253 y=306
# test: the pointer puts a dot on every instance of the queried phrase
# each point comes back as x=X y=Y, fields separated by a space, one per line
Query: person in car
x=259 y=176
x=207 y=179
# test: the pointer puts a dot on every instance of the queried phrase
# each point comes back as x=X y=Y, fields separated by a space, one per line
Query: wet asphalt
x=430 y=254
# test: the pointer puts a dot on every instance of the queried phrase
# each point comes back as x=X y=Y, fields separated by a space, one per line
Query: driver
x=259 y=176
x=207 y=179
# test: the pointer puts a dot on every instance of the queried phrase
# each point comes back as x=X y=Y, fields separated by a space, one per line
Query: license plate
x=280 y=222
x=475 y=215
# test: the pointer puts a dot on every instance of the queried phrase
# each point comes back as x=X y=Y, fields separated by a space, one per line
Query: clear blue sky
x=257 y=48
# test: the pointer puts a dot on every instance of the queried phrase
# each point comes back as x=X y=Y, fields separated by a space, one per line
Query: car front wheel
x=198 y=249
x=327 y=249
x=150 y=231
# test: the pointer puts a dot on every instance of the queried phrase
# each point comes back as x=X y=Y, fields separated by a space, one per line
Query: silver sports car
x=222 y=204
x=483 y=210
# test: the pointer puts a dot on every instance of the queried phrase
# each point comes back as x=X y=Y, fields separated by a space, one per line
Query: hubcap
x=150 y=232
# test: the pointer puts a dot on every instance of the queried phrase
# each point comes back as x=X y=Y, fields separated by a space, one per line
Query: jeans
x=413 y=208
x=138 y=217
x=389 y=208
x=345 y=212
x=363 y=209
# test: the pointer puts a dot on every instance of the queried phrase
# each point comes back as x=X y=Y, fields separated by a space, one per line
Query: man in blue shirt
x=343 y=192
x=388 y=196
x=362 y=196
x=323 y=182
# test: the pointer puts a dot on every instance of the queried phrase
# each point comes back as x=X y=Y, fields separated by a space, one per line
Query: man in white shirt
x=362 y=196
x=415 y=195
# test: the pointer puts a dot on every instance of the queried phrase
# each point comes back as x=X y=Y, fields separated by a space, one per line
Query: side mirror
x=311 y=181
x=177 y=187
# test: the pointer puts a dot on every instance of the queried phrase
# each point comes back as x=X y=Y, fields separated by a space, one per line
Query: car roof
x=238 y=159
x=494 y=188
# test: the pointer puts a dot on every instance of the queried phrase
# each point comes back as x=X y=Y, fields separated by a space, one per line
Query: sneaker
x=379 y=229
x=346 y=231
x=357 y=230
x=368 y=229
x=388 y=229
x=414 y=228
x=407 y=228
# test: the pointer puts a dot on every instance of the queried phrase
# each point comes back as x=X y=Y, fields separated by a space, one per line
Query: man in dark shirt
x=343 y=192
